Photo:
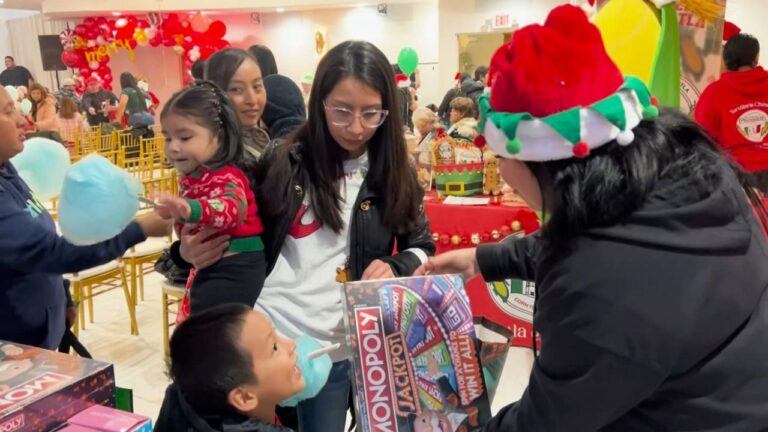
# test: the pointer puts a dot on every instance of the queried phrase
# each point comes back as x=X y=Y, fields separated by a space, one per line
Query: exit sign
x=502 y=21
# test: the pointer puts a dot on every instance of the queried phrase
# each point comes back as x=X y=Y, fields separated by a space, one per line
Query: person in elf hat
x=650 y=272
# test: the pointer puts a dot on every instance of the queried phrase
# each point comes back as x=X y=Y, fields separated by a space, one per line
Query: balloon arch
x=90 y=45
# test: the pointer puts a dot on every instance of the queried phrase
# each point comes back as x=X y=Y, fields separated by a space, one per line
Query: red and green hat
x=556 y=93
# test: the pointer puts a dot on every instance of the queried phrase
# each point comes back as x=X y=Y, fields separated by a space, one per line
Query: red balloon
x=108 y=86
x=81 y=30
x=217 y=30
x=132 y=20
x=154 y=42
x=107 y=77
x=89 y=22
x=133 y=43
x=100 y=21
x=84 y=71
x=91 y=34
x=70 y=58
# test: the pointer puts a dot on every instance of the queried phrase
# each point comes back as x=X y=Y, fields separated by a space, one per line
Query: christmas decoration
x=89 y=46
x=531 y=120
x=476 y=238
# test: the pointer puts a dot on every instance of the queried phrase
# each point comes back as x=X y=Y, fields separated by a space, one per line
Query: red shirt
x=223 y=199
x=734 y=109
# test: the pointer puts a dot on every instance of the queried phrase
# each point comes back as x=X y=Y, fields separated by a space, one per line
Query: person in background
x=132 y=105
x=650 y=267
x=69 y=122
x=734 y=109
x=198 y=70
x=306 y=86
x=67 y=90
x=285 y=110
x=229 y=370
x=151 y=98
x=43 y=113
x=463 y=122
x=265 y=59
x=444 y=111
x=237 y=73
x=15 y=75
x=473 y=89
x=97 y=102
x=341 y=202
x=424 y=124
x=33 y=298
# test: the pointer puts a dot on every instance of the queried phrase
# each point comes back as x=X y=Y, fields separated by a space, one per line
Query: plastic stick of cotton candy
x=322 y=351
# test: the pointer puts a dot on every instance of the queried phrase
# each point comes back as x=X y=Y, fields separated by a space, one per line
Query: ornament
x=445 y=239
x=456 y=239
x=485 y=237
x=495 y=235
x=435 y=237
x=475 y=239
x=480 y=141
x=505 y=231
x=516 y=226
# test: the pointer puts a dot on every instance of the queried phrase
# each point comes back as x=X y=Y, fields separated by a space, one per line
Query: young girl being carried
x=202 y=140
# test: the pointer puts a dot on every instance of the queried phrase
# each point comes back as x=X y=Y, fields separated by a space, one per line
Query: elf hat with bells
x=556 y=94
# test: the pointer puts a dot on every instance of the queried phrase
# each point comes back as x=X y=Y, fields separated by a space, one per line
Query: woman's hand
x=154 y=225
x=463 y=261
x=378 y=269
x=204 y=248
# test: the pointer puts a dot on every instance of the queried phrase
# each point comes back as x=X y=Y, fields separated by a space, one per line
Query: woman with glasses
x=335 y=200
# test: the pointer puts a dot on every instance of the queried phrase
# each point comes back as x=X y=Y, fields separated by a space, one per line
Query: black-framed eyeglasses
x=343 y=117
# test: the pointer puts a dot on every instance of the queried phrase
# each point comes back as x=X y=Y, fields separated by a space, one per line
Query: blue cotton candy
x=42 y=164
x=315 y=372
x=97 y=202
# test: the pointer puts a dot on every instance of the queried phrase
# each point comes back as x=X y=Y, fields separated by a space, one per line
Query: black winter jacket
x=177 y=415
x=656 y=324
x=369 y=238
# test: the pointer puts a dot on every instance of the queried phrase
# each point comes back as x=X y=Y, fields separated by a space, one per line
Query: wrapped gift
x=459 y=179
x=40 y=389
x=103 y=419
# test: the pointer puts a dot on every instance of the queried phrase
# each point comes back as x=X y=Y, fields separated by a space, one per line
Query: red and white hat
x=556 y=95
x=402 y=80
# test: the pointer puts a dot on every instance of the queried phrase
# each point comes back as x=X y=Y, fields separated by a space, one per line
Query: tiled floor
x=139 y=361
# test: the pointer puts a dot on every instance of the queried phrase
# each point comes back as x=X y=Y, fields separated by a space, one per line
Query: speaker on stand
x=50 y=53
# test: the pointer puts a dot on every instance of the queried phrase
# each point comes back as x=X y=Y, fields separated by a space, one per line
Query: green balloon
x=408 y=60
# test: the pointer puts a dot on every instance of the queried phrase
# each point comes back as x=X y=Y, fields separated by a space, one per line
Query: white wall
x=6 y=15
x=750 y=15
x=291 y=36
x=469 y=16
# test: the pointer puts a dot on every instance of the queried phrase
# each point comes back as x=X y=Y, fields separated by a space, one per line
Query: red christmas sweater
x=734 y=109
x=223 y=199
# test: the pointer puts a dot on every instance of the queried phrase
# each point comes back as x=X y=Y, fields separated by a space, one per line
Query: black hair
x=464 y=76
x=198 y=70
x=480 y=72
x=265 y=59
x=433 y=108
x=740 y=50
x=615 y=181
x=205 y=102
x=127 y=80
x=221 y=67
x=207 y=361
x=390 y=173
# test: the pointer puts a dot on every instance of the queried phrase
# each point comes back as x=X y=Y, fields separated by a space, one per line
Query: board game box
x=415 y=356
x=41 y=389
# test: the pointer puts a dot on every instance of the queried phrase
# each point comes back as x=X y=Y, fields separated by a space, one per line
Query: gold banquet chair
x=171 y=302
x=88 y=284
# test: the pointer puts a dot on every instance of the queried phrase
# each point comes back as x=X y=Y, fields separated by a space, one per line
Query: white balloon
x=12 y=92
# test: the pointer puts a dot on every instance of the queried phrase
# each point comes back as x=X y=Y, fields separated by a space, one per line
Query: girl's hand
x=463 y=261
x=173 y=207
x=204 y=248
x=378 y=269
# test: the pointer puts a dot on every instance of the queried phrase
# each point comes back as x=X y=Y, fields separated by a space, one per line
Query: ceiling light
x=116 y=13
x=280 y=10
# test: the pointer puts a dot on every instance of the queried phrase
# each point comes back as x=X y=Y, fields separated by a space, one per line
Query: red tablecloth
x=510 y=304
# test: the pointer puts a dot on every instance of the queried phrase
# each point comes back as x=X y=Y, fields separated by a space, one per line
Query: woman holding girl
x=335 y=200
